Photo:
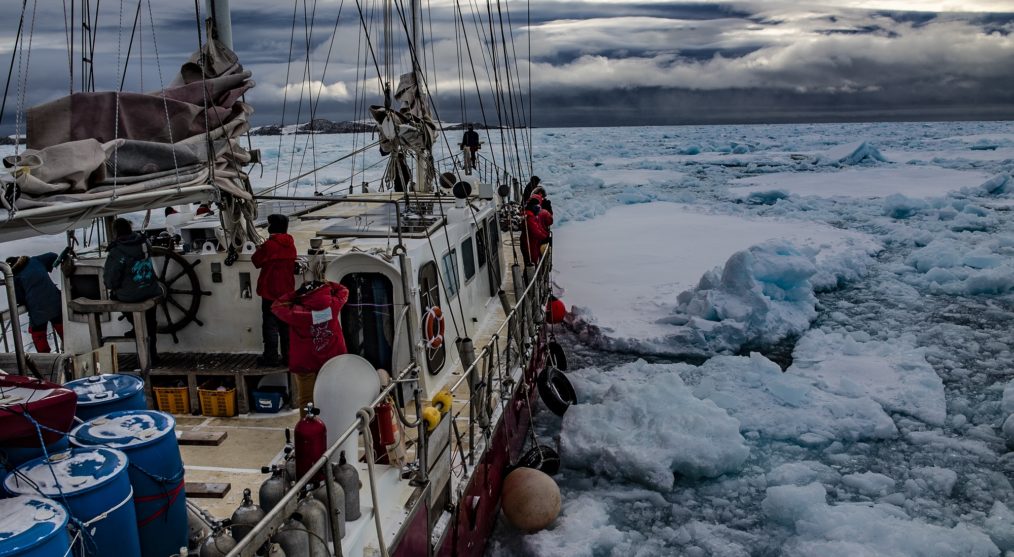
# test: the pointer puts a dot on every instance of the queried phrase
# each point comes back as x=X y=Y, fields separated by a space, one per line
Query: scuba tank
x=293 y=538
x=311 y=441
x=290 y=457
x=337 y=502
x=219 y=543
x=275 y=550
x=245 y=517
x=348 y=477
x=196 y=527
x=314 y=515
x=273 y=488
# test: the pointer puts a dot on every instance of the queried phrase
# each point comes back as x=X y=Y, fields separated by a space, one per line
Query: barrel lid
x=27 y=521
x=100 y=389
x=125 y=428
x=75 y=470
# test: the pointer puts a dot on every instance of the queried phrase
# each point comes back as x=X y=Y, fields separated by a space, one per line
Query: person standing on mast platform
x=469 y=145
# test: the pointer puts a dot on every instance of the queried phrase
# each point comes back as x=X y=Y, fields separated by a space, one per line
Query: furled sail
x=109 y=145
x=408 y=130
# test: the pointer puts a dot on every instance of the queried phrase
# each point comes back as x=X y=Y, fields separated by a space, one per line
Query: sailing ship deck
x=254 y=440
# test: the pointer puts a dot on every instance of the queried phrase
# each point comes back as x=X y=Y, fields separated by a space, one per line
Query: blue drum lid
x=27 y=521
x=76 y=471
x=125 y=428
x=100 y=389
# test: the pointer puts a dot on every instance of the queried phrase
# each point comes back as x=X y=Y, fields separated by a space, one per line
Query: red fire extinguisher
x=311 y=440
x=385 y=421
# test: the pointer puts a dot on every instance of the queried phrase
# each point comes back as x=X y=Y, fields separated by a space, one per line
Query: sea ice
x=666 y=431
x=788 y=407
x=895 y=374
x=849 y=529
x=880 y=182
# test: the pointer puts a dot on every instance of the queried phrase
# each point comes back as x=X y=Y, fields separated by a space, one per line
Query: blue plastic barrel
x=93 y=484
x=17 y=456
x=33 y=527
x=109 y=392
x=148 y=438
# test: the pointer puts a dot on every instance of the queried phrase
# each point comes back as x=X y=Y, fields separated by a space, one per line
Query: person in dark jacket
x=34 y=288
x=529 y=189
x=470 y=144
x=276 y=258
x=315 y=332
x=130 y=276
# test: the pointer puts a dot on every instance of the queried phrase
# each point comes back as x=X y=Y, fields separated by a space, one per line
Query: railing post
x=12 y=305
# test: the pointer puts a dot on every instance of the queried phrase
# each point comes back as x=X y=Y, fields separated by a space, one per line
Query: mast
x=221 y=22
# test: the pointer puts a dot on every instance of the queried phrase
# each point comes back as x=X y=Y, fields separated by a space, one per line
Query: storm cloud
x=591 y=63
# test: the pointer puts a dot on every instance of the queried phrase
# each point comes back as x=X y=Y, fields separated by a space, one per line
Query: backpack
x=142 y=271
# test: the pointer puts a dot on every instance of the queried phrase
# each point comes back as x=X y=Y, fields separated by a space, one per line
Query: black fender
x=556 y=391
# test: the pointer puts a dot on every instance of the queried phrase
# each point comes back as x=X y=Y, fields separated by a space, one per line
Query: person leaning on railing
x=35 y=289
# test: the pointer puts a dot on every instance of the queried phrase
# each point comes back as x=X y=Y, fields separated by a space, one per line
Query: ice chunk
x=1000 y=526
x=1007 y=404
x=869 y=483
x=788 y=407
x=899 y=206
x=849 y=529
x=1008 y=431
x=850 y=154
x=765 y=197
x=996 y=185
x=802 y=473
x=895 y=374
x=934 y=478
x=785 y=504
x=646 y=424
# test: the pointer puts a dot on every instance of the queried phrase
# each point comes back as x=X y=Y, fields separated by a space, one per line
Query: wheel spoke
x=165 y=265
x=181 y=292
x=176 y=304
x=175 y=278
x=165 y=311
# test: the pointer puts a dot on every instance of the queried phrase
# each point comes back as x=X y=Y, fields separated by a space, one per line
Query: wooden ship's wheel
x=182 y=291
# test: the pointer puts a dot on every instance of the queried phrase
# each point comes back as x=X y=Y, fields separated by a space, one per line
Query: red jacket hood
x=323 y=296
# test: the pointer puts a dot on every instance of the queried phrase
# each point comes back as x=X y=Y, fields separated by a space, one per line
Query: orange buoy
x=531 y=499
x=555 y=310
x=433 y=327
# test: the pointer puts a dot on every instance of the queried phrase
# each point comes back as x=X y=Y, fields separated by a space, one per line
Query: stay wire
x=10 y=70
x=285 y=89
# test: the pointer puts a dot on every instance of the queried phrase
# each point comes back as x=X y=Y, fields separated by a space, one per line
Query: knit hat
x=278 y=224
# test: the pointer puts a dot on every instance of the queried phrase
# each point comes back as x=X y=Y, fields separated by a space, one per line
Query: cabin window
x=429 y=296
x=468 y=259
x=451 y=281
x=367 y=317
x=480 y=240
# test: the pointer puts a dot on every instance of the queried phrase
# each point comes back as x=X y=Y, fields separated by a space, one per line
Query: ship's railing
x=485 y=169
x=521 y=326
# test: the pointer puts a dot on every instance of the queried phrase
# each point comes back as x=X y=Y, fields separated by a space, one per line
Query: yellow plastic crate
x=218 y=404
x=175 y=400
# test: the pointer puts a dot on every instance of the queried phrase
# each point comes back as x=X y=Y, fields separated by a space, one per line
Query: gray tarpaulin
x=81 y=148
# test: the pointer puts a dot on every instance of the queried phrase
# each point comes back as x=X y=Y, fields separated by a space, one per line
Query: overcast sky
x=601 y=62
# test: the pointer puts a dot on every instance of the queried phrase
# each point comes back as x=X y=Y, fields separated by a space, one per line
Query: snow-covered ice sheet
x=625 y=269
x=921 y=181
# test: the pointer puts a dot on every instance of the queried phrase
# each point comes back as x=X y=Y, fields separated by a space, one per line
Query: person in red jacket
x=276 y=258
x=536 y=233
x=315 y=331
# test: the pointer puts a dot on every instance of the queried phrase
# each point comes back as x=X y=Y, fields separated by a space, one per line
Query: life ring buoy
x=433 y=327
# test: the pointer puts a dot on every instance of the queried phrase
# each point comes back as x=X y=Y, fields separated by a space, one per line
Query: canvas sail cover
x=408 y=130
x=81 y=148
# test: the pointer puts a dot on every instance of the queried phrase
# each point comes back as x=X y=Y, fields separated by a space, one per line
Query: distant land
x=325 y=126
